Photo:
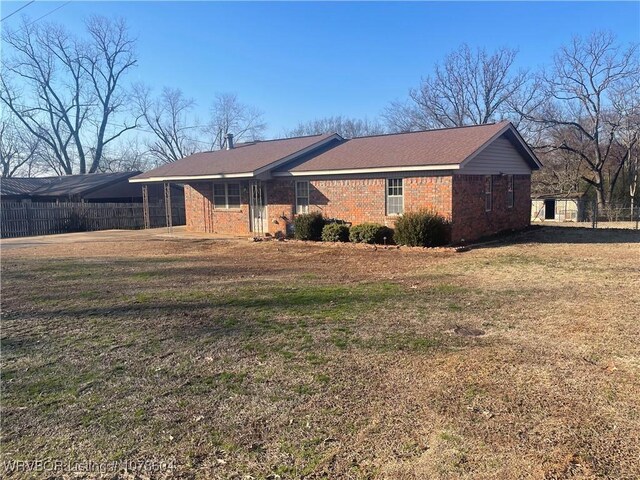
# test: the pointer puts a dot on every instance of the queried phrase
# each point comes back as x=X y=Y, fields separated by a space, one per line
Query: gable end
x=500 y=156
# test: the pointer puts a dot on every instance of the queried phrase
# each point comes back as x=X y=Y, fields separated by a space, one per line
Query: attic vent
x=229 y=138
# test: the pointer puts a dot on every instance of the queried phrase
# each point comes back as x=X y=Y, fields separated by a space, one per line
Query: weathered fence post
x=145 y=206
x=167 y=206
x=27 y=205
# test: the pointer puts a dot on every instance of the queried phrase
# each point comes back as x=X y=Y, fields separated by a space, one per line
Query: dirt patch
x=467 y=331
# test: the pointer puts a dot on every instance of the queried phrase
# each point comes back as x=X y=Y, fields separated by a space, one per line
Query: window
x=226 y=195
x=395 y=198
x=488 y=181
x=510 y=197
x=302 y=197
x=233 y=195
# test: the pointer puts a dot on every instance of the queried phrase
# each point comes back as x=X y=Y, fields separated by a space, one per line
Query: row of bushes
x=416 y=229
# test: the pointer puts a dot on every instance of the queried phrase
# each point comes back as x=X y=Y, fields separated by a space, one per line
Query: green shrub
x=371 y=233
x=335 y=232
x=308 y=226
x=424 y=228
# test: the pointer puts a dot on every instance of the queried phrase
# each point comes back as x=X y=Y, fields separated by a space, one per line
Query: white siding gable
x=498 y=157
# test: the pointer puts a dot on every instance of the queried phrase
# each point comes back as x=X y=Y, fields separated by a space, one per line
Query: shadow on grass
x=255 y=304
x=284 y=321
x=561 y=235
x=152 y=269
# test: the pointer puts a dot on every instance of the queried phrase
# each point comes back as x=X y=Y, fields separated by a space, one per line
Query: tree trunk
x=601 y=192
x=600 y=199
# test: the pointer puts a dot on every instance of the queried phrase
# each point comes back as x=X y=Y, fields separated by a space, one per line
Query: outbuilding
x=479 y=177
x=568 y=207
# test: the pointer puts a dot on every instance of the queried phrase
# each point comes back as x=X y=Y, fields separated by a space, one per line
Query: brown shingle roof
x=244 y=158
x=440 y=149
x=450 y=146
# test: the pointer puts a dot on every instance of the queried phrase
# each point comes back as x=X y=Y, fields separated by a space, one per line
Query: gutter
x=353 y=171
x=185 y=178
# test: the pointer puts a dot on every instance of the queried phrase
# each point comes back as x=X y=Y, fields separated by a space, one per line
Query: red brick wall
x=363 y=200
x=471 y=221
x=201 y=216
x=458 y=197
x=355 y=200
x=280 y=208
x=351 y=200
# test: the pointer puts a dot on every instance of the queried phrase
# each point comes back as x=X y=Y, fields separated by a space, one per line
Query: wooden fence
x=26 y=219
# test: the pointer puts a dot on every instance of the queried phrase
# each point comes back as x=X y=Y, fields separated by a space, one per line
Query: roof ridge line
x=52 y=177
x=369 y=136
x=253 y=142
x=431 y=130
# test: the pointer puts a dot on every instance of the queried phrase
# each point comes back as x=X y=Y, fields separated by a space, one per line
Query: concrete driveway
x=101 y=236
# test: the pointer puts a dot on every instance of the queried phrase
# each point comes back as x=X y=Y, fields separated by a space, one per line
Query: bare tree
x=576 y=106
x=229 y=115
x=70 y=88
x=468 y=88
x=626 y=105
x=19 y=149
x=346 y=127
x=634 y=182
x=129 y=155
x=561 y=173
x=170 y=120
x=109 y=55
x=406 y=116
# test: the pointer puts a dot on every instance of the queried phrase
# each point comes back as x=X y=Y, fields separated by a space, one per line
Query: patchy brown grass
x=327 y=361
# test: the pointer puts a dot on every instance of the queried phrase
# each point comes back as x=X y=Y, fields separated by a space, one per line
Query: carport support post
x=167 y=205
x=145 y=206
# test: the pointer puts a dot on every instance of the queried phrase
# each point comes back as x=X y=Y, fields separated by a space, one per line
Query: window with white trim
x=226 y=195
x=510 y=196
x=302 y=197
x=395 y=197
x=488 y=196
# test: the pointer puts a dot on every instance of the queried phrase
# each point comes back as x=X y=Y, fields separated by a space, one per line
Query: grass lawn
x=327 y=361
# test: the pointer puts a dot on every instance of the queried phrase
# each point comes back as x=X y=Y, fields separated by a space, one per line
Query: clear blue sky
x=299 y=61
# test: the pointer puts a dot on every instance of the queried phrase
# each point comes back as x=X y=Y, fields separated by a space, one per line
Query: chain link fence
x=612 y=215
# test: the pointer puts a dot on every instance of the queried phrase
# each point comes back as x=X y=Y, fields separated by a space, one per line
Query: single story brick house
x=478 y=176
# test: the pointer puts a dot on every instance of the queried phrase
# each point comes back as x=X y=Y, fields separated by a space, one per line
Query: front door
x=258 y=208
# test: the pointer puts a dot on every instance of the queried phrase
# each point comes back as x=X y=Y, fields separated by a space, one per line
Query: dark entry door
x=549 y=209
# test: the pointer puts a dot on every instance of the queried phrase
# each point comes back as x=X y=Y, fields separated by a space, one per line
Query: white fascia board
x=353 y=171
x=192 y=177
x=288 y=158
x=526 y=147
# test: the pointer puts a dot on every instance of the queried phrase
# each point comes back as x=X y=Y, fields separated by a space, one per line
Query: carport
x=167 y=205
